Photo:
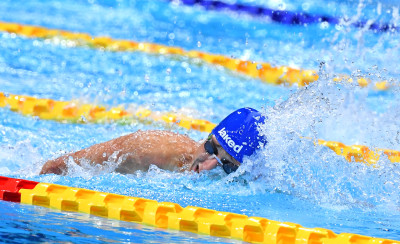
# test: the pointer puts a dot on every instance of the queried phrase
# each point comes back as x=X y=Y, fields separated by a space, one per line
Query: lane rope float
x=171 y=216
x=285 y=16
x=75 y=112
x=260 y=70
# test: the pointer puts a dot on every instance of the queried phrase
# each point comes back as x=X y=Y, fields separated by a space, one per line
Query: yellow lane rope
x=192 y=219
x=360 y=153
x=264 y=71
x=75 y=112
x=69 y=111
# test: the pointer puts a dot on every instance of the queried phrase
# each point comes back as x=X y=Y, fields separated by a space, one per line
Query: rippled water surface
x=291 y=180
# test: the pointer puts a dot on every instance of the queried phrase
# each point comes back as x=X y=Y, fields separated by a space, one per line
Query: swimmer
x=233 y=138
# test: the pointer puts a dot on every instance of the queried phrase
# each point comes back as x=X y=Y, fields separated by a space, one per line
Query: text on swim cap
x=231 y=143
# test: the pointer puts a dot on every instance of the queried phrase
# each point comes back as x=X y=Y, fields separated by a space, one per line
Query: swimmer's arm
x=95 y=154
x=134 y=151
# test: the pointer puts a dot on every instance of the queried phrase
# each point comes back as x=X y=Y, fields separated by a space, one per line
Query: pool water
x=290 y=180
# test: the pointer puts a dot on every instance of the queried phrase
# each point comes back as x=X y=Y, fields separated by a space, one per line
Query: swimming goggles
x=211 y=149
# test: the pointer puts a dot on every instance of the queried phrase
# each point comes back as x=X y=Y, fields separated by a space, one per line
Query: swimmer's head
x=238 y=133
x=232 y=139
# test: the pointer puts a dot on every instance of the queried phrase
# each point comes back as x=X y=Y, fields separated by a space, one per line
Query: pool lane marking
x=286 y=16
x=264 y=71
x=76 y=112
x=169 y=215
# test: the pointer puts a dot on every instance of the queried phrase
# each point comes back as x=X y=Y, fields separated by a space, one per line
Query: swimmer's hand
x=55 y=166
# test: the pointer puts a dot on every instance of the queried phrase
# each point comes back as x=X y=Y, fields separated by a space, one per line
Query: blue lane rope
x=282 y=16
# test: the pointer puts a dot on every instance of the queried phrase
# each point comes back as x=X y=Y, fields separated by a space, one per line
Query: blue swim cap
x=238 y=133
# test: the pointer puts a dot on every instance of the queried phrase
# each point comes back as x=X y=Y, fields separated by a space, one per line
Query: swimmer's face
x=206 y=161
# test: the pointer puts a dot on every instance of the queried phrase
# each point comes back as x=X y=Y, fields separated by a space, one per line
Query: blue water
x=290 y=180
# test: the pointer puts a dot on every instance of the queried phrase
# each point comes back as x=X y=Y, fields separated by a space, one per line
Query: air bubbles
x=37 y=43
x=379 y=8
x=339 y=27
x=324 y=25
x=395 y=14
x=305 y=6
x=282 y=6
x=198 y=44
x=84 y=119
x=183 y=94
x=184 y=64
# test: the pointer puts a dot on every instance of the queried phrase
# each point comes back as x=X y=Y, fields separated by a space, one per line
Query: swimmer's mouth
x=195 y=166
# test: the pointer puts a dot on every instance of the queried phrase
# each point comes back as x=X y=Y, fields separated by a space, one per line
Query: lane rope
x=285 y=16
x=282 y=75
x=76 y=112
x=169 y=215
